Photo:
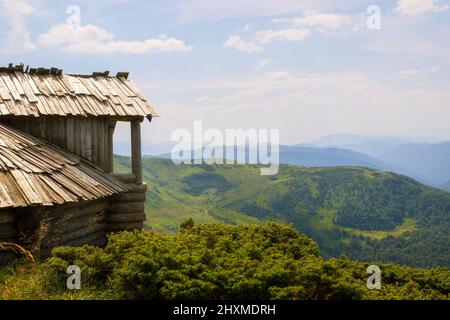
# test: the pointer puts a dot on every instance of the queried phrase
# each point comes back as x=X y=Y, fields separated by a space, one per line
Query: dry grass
x=17 y=249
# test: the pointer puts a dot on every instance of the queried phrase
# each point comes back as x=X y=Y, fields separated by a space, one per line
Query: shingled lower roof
x=35 y=172
x=32 y=94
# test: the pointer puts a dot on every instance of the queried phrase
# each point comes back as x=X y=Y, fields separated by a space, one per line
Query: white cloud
x=307 y=105
x=293 y=35
x=238 y=43
x=265 y=37
x=219 y=9
x=15 y=13
x=322 y=21
x=326 y=23
x=419 y=7
x=204 y=100
x=409 y=42
x=262 y=63
x=247 y=27
x=136 y=47
x=91 y=39
x=417 y=72
x=62 y=34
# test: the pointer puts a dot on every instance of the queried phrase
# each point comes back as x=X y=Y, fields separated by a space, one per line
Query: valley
x=366 y=214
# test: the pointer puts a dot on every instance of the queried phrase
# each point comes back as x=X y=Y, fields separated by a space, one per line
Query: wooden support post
x=111 y=127
x=136 y=154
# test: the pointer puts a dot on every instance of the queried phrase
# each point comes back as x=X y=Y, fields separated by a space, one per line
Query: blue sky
x=310 y=68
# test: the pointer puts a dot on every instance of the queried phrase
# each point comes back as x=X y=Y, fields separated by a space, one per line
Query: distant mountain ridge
x=431 y=161
x=370 y=145
x=334 y=157
x=427 y=162
x=446 y=186
x=301 y=155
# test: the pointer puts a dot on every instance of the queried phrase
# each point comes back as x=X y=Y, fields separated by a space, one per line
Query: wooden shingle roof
x=36 y=172
x=48 y=92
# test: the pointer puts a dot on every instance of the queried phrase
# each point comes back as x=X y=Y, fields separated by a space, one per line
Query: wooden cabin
x=57 y=180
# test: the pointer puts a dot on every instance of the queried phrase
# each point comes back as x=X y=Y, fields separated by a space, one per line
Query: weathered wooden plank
x=77 y=234
x=46 y=80
x=125 y=177
x=127 y=207
x=88 y=138
x=94 y=137
x=10 y=85
x=63 y=225
x=7 y=217
x=126 y=217
x=7 y=230
x=38 y=81
x=23 y=181
x=130 y=197
x=136 y=154
x=3 y=109
x=117 y=227
x=25 y=85
x=4 y=91
x=137 y=188
x=111 y=126
x=70 y=124
x=94 y=239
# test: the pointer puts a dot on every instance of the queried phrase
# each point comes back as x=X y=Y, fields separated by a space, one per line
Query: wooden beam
x=106 y=150
x=111 y=127
x=125 y=177
x=136 y=153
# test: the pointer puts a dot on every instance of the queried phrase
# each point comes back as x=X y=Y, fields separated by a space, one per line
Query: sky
x=308 y=68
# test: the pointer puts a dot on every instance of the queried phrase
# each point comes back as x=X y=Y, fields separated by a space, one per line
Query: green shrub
x=215 y=261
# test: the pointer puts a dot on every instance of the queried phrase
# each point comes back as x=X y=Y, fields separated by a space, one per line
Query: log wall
x=88 y=137
x=8 y=233
x=41 y=229
x=127 y=210
x=8 y=230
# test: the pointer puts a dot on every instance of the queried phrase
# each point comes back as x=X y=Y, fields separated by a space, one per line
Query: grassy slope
x=316 y=200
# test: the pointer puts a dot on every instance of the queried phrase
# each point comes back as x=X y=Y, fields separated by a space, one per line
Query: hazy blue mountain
x=312 y=156
x=148 y=149
x=445 y=186
x=430 y=160
x=333 y=157
x=301 y=155
x=339 y=139
x=370 y=145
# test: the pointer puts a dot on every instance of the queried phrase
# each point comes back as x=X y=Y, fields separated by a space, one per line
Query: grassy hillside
x=366 y=214
x=215 y=261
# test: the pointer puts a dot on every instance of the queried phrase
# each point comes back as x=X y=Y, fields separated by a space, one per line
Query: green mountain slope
x=367 y=214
